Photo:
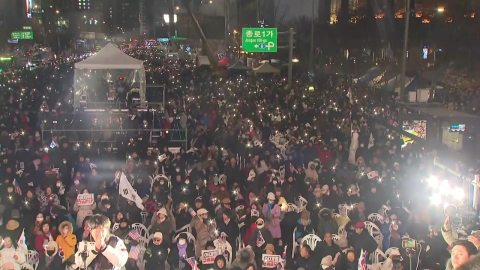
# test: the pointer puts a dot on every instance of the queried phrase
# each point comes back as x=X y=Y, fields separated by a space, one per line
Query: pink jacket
x=273 y=224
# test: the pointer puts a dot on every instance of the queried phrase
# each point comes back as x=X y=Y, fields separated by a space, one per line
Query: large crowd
x=270 y=177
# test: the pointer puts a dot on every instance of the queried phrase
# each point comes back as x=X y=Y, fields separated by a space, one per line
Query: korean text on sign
x=208 y=256
x=271 y=261
x=85 y=199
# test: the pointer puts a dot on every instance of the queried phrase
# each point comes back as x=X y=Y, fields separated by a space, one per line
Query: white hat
x=158 y=235
x=326 y=262
x=271 y=196
x=201 y=211
x=162 y=211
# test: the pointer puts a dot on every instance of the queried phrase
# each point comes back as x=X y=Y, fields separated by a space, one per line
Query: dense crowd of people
x=270 y=177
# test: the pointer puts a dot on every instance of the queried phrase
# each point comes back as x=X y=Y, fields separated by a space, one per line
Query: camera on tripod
x=409 y=243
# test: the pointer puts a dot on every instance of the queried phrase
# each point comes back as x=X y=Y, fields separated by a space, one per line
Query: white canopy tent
x=266 y=68
x=109 y=64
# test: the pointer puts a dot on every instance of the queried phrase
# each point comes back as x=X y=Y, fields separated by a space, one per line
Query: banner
x=208 y=256
x=271 y=261
x=85 y=199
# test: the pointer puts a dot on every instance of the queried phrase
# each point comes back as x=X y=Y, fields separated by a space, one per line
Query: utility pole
x=290 y=58
x=404 y=52
x=227 y=24
x=312 y=31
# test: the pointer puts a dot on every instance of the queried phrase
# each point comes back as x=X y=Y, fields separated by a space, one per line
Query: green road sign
x=259 y=39
x=22 y=35
x=27 y=28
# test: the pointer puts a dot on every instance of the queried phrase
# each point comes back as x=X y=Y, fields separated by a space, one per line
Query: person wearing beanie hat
x=260 y=237
x=204 y=229
x=304 y=226
x=269 y=249
x=180 y=251
x=326 y=222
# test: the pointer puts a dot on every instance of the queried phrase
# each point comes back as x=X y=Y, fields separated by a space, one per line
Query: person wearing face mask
x=11 y=257
x=271 y=212
x=74 y=190
x=156 y=254
x=44 y=236
x=67 y=241
x=34 y=229
x=162 y=224
x=83 y=210
x=180 y=251
x=311 y=173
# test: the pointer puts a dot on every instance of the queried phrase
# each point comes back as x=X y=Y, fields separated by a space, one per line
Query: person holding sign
x=84 y=206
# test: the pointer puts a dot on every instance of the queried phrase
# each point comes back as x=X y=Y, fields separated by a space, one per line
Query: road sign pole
x=290 y=58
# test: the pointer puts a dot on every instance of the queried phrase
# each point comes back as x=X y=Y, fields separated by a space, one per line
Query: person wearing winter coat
x=156 y=254
x=304 y=226
x=179 y=252
x=326 y=222
x=464 y=256
x=311 y=173
x=361 y=239
x=203 y=230
x=392 y=230
x=163 y=224
x=83 y=210
x=307 y=260
x=271 y=212
x=259 y=239
x=245 y=258
x=10 y=257
x=67 y=241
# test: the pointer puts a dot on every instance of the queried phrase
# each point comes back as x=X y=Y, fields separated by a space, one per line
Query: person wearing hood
x=163 y=224
x=261 y=236
x=180 y=251
x=272 y=213
x=464 y=256
x=304 y=226
x=361 y=239
x=326 y=222
x=67 y=241
x=245 y=258
x=11 y=258
x=156 y=254
x=311 y=173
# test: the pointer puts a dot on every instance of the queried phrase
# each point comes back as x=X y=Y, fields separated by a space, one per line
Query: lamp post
x=312 y=30
x=404 y=51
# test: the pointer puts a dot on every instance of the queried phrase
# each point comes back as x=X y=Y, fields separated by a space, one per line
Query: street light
x=440 y=9
x=166 y=18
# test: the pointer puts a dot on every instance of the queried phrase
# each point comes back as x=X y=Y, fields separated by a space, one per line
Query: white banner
x=126 y=190
x=208 y=256
x=85 y=199
x=271 y=261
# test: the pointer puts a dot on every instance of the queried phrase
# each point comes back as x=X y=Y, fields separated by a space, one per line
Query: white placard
x=271 y=261
x=208 y=256
x=85 y=199
x=254 y=213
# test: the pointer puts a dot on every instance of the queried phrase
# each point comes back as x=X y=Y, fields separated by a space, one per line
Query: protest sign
x=85 y=199
x=254 y=213
x=208 y=256
x=271 y=261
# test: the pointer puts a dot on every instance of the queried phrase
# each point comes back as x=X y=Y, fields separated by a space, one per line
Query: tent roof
x=110 y=57
x=238 y=65
x=266 y=68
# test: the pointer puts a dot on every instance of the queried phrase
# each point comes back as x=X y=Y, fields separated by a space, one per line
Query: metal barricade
x=113 y=136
